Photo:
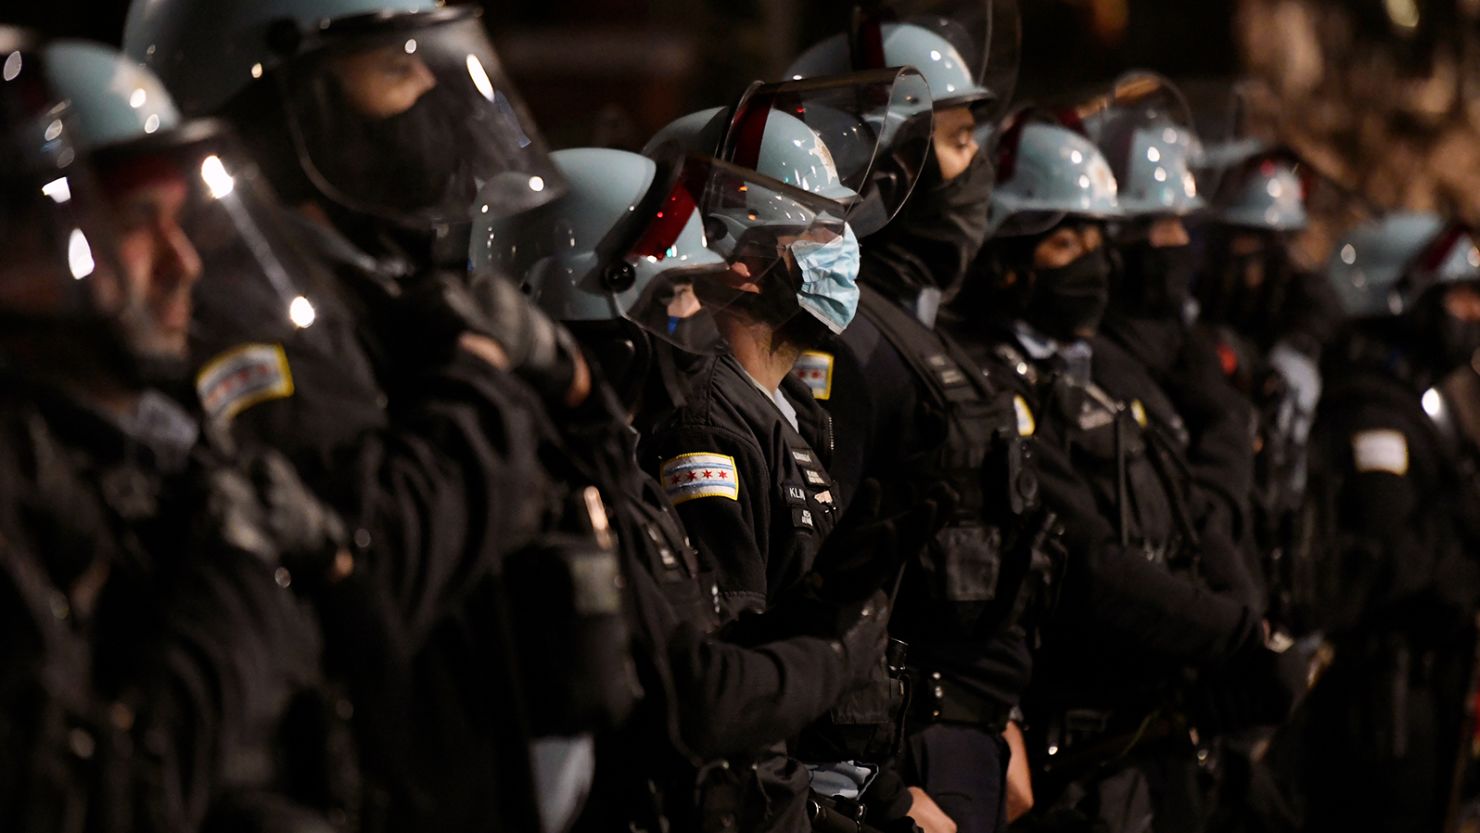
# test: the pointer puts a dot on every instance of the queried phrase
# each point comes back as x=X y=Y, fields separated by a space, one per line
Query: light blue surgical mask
x=829 y=278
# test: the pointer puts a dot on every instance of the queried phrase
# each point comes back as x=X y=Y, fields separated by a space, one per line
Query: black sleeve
x=1221 y=423
x=733 y=700
x=210 y=684
x=1107 y=587
x=734 y=533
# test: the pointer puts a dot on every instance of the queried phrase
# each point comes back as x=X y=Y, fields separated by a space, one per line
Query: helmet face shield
x=411 y=117
x=1144 y=127
x=970 y=49
x=875 y=129
x=200 y=243
x=60 y=268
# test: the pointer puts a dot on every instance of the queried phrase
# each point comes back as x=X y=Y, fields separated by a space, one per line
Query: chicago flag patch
x=243 y=377
x=702 y=474
x=815 y=370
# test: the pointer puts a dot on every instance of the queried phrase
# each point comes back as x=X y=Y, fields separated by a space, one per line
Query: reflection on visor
x=414 y=127
x=860 y=139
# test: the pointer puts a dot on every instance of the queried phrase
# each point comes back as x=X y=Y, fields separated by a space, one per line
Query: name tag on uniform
x=814 y=477
x=702 y=474
x=242 y=377
x=815 y=370
x=1383 y=450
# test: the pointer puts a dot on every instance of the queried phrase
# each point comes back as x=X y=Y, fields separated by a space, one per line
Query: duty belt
x=937 y=698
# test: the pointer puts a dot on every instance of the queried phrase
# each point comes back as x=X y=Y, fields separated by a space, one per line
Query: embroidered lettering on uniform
x=242 y=377
x=806 y=517
x=814 y=477
x=702 y=474
x=796 y=494
x=815 y=370
x=1026 y=424
x=1139 y=412
x=1383 y=450
x=803 y=457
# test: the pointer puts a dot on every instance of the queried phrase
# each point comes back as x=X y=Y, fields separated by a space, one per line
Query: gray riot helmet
x=1144 y=127
x=1383 y=268
x=397 y=109
x=860 y=139
x=67 y=314
x=665 y=244
x=1264 y=191
x=1047 y=173
x=968 y=50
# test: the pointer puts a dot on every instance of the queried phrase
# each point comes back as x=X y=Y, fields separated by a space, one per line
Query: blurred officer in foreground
x=160 y=675
x=630 y=287
x=1393 y=485
x=1145 y=593
x=380 y=125
x=914 y=414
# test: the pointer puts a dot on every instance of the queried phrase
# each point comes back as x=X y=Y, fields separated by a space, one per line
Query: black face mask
x=408 y=160
x=1068 y=302
x=938 y=233
x=1154 y=281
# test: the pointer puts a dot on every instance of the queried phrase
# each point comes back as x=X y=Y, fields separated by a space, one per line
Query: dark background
x=611 y=72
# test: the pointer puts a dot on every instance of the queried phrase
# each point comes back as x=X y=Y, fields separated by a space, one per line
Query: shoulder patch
x=1382 y=450
x=1026 y=424
x=1139 y=412
x=815 y=370
x=242 y=377
x=703 y=474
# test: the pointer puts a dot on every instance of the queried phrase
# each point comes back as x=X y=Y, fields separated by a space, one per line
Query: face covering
x=937 y=234
x=829 y=278
x=1154 y=281
x=408 y=162
x=1067 y=303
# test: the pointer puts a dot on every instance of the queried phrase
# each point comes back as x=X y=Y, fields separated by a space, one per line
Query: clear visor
x=60 y=263
x=411 y=117
x=875 y=126
x=200 y=243
x=987 y=34
x=755 y=223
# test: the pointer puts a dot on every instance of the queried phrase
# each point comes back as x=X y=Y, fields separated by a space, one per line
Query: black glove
x=1255 y=687
x=541 y=352
x=863 y=636
x=308 y=536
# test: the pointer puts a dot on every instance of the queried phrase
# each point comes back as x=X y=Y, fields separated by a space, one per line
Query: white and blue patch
x=815 y=370
x=702 y=474
x=243 y=377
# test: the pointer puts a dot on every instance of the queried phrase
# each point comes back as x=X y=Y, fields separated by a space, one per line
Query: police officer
x=1145 y=592
x=1268 y=320
x=913 y=412
x=161 y=674
x=618 y=259
x=1393 y=480
x=401 y=411
x=797 y=131
x=1143 y=127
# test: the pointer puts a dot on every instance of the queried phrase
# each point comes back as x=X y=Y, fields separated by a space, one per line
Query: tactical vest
x=978 y=561
x=1131 y=468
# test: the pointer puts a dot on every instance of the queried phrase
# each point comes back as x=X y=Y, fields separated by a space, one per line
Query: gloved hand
x=308 y=536
x=863 y=636
x=866 y=549
x=1255 y=687
x=542 y=353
